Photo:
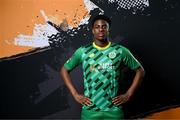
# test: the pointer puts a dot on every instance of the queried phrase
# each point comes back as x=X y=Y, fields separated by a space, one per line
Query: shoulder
x=87 y=45
x=119 y=47
x=81 y=49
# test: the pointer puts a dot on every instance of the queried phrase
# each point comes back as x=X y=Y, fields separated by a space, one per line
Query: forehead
x=100 y=22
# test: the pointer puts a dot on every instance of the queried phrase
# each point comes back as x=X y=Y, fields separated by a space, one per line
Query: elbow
x=142 y=71
x=63 y=71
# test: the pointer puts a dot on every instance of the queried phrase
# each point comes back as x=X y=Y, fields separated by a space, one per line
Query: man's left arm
x=140 y=72
x=131 y=62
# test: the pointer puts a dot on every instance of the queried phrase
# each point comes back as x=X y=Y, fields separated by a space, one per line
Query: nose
x=101 y=29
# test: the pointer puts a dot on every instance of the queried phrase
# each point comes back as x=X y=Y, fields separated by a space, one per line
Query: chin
x=102 y=39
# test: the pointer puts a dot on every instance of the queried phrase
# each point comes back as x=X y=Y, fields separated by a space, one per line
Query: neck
x=101 y=43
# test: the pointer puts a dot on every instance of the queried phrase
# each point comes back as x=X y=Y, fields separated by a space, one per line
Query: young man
x=101 y=62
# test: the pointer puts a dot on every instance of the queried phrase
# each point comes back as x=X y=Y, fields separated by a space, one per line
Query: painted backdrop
x=38 y=36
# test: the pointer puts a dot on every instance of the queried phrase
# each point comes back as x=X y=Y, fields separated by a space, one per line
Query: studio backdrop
x=38 y=36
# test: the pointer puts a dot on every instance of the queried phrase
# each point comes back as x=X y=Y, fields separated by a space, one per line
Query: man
x=101 y=62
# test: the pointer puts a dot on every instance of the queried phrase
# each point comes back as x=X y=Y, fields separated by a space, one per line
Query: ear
x=109 y=29
x=92 y=30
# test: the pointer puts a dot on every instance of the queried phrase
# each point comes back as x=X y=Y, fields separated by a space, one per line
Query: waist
x=108 y=107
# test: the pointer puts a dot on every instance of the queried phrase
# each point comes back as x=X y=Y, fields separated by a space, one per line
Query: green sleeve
x=75 y=60
x=129 y=60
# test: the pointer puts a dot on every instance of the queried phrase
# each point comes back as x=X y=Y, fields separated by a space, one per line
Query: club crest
x=112 y=54
x=91 y=55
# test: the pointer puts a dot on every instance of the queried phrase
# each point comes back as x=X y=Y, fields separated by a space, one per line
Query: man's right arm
x=68 y=82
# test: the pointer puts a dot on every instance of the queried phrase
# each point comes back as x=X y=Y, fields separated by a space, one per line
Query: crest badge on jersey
x=112 y=54
x=91 y=55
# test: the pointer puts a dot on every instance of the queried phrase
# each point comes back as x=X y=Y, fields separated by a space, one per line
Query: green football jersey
x=101 y=71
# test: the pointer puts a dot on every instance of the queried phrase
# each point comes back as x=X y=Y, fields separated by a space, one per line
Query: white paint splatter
x=91 y=6
x=43 y=14
x=84 y=21
x=39 y=38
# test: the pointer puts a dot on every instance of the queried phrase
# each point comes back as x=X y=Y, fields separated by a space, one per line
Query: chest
x=97 y=60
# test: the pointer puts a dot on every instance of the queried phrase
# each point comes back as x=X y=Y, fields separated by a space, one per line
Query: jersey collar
x=102 y=48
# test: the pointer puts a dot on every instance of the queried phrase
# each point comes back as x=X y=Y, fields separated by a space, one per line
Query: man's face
x=100 y=30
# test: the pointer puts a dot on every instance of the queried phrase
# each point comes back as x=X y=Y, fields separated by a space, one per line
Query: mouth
x=101 y=34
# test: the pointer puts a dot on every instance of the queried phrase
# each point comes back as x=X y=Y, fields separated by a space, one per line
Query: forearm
x=67 y=79
x=136 y=81
x=68 y=82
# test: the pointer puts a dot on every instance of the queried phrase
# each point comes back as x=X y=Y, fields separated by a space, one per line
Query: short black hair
x=101 y=17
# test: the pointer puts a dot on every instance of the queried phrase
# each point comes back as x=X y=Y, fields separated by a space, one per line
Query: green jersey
x=101 y=71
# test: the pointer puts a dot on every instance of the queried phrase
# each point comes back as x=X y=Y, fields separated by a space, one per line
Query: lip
x=101 y=34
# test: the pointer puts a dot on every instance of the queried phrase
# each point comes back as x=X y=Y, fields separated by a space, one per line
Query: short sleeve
x=74 y=61
x=129 y=60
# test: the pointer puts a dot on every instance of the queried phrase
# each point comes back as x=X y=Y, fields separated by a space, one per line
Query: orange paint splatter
x=20 y=16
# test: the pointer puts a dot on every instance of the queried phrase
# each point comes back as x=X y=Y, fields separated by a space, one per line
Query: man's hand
x=82 y=99
x=121 y=99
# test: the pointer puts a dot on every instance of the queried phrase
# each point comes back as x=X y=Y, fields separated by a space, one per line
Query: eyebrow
x=101 y=25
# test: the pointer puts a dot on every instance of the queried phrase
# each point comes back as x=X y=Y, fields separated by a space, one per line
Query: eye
x=104 y=27
x=96 y=26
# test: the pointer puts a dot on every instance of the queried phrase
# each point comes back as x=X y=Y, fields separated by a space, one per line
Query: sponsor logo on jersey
x=102 y=66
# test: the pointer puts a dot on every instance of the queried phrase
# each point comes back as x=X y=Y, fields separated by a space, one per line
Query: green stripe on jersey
x=101 y=70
